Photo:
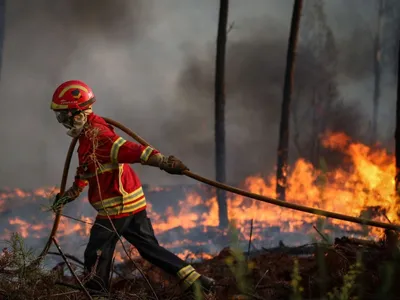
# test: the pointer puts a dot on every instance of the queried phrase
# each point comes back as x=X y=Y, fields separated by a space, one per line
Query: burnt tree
x=377 y=72
x=283 y=144
x=397 y=134
x=220 y=111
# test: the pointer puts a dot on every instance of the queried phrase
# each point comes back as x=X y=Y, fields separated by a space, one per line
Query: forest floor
x=346 y=269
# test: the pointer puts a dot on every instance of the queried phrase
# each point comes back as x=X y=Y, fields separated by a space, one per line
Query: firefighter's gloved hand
x=172 y=165
x=60 y=201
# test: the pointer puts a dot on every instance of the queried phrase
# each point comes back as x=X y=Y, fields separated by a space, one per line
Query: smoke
x=152 y=68
x=117 y=20
x=357 y=64
x=47 y=42
x=255 y=71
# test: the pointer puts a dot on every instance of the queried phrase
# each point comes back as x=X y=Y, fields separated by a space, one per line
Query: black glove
x=172 y=165
x=60 y=201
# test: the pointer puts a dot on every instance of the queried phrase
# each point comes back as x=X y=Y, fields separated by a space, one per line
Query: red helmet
x=72 y=95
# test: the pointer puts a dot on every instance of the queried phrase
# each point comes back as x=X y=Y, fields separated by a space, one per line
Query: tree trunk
x=282 y=163
x=2 y=30
x=377 y=74
x=397 y=134
x=220 y=111
x=316 y=128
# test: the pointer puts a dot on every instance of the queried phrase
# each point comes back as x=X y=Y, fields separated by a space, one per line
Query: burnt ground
x=267 y=274
x=322 y=268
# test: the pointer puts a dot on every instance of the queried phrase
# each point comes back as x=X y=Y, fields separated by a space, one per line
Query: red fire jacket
x=104 y=157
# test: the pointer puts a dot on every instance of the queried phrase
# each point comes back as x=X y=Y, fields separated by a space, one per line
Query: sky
x=150 y=64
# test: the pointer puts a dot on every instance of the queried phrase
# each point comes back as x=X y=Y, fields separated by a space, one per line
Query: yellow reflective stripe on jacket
x=185 y=271
x=102 y=169
x=115 y=149
x=120 y=184
x=123 y=208
x=99 y=205
x=146 y=154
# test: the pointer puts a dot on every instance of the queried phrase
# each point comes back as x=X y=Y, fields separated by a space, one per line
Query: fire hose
x=219 y=185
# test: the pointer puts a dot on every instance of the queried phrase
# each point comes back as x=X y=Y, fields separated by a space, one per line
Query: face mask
x=74 y=122
x=78 y=122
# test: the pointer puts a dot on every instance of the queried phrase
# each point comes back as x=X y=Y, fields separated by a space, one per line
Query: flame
x=157 y=189
x=364 y=182
x=45 y=192
x=26 y=229
x=186 y=217
x=368 y=181
x=189 y=255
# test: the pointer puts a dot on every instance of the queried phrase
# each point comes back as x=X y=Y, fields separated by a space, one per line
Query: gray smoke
x=255 y=71
x=150 y=64
x=47 y=42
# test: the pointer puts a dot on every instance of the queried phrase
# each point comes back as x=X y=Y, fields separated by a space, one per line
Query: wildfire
x=157 y=189
x=365 y=183
x=186 y=217
x=368 y=182
x=45 y=192
x=25 y=227
x=188 y=255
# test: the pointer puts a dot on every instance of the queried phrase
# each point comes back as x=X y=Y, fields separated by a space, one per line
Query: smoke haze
x=151 y=65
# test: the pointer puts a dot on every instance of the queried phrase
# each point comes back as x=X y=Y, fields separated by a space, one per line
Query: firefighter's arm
x=123 y=151
x=146 y=155
x=112 y=147
x=73 y=192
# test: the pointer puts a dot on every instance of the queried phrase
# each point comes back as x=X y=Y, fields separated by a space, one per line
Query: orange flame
x=367 y=181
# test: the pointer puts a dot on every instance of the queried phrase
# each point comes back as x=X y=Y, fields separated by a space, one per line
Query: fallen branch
x=307 y=249
x=70 y=268
x=71 y=257
x=78 y=288
x=358 y=242
x=254 y=296
x=59 y=294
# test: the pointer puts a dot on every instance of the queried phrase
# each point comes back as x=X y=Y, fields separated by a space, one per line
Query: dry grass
x=269 y=276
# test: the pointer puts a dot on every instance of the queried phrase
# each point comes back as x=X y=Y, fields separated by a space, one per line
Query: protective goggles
x=65 y=116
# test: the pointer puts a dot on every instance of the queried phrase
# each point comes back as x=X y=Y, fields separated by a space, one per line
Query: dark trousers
x=138 y=231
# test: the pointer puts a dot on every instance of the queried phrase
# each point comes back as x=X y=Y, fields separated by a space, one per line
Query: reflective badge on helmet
x=76 y=94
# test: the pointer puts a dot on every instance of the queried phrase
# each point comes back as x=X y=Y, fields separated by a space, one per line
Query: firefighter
x=115 y=190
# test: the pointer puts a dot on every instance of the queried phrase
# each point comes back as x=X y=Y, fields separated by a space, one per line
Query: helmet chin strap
x=78 y=123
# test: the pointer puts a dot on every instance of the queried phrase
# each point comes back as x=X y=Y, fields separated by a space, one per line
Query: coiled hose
x=213 y=183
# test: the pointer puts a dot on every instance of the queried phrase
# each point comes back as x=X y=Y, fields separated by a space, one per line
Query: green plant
x=237 y=262
x=21 y=256
x=26 y=281
x=387 y=272
x=349 y=283
x=295 y=283
x=198 y=295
